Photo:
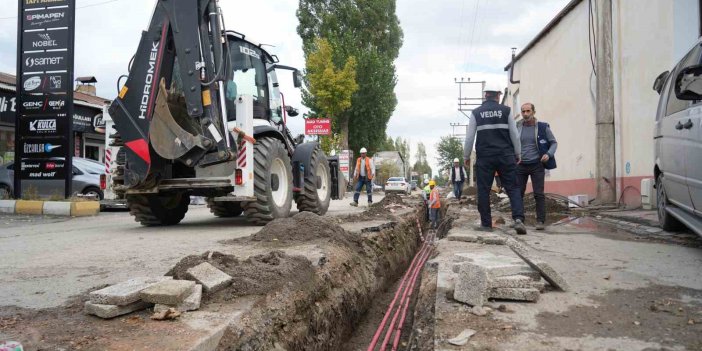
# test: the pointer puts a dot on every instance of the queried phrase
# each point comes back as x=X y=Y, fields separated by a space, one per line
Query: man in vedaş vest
x=363 y=175
x=498 y=148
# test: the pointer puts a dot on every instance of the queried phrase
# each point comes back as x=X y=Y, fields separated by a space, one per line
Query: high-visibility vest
x=369 y=174
x=434 y=196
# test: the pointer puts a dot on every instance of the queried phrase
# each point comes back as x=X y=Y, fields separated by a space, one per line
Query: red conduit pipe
x=407 y=303
x=376 y=336
x=405 y=296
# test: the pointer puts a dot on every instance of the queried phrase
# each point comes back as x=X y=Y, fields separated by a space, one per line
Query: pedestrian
x=538 y=150
x=497 y=147
x=458 y=177
x=434 y=205
x=363 y=175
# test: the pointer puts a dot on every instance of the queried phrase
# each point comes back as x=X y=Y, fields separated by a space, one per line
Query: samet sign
x=318 y=126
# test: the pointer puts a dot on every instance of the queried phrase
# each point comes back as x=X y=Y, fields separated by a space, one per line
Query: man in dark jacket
x=497 y=147
x=458 y=177
x=538 y=150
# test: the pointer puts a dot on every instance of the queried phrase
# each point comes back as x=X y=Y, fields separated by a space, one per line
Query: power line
x=472 y=32
x=79 y=7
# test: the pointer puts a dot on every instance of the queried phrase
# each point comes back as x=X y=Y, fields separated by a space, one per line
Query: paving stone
x=191 y=303
x=168 y=292
x=471 y=284
x=124 y=293
x=492 y=239
x=211 y=278
x=111 y=311
x=514 y=294
x=550 y=274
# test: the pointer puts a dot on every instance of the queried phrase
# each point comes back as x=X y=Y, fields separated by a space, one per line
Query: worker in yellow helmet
x=434 y=204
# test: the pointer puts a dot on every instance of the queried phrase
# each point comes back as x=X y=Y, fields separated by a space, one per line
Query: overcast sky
x=443 y=40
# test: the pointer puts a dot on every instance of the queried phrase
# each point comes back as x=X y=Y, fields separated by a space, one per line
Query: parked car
x=86 y=180
x=413 y=185
x=678 y=144
x=397 y=185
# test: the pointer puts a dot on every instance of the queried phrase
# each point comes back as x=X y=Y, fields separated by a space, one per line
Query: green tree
x=402 y=146
x=421 y=166
x=332 y=88
x=369 y=31
x=448 y=149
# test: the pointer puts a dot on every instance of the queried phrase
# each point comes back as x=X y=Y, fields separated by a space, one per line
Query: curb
x=54 y=208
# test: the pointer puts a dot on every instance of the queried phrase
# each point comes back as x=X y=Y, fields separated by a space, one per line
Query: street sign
x=318 y=126
x=344 y=163
x=44 y=96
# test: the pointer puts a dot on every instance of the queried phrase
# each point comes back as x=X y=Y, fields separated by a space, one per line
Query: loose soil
x=662 y=314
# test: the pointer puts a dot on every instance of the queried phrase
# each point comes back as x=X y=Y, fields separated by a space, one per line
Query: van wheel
x=666 y=221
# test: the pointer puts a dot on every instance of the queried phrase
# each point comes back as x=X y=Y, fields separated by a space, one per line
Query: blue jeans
x=369 y=189
x=435 y=216
x=458 y=189
x=507 y=166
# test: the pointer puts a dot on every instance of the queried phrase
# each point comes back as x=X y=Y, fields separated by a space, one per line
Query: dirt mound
x=389 y=199
x=306 y=227
x=256 y=275
x=470 y=190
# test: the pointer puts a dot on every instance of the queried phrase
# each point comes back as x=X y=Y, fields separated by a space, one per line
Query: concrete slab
x=531 y=295
x=464 y=237
x=168 y=292
x=111 y=311
x=7 y=206
x=471 y=284
x=511 y=281
x=538 y=264
x=57 y=208
x=211 y=278
x=85 y=208
x=191 y=303
x=27 y=207
x=124 y=293
x=497 y=265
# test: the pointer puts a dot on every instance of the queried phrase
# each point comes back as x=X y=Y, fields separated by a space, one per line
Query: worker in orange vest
x=434 y=205
x=363 y=175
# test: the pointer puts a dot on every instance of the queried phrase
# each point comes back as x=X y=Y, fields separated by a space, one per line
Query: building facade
x=556 y=72
x=88 y=126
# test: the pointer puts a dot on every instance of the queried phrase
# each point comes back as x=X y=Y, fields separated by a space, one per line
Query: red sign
x=319 y=126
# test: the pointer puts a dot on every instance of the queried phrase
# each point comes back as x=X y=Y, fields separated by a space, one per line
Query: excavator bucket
x=174 y=137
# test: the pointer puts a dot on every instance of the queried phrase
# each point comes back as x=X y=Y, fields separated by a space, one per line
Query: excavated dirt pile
x=306 y=227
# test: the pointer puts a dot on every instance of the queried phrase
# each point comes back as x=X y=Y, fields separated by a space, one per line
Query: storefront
x=88 y=125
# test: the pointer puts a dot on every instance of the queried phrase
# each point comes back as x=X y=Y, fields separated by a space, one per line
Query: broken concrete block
x=492 y=239
x=498 y=266
x=124 y=293
x=536 y=263
x=511 y=281
x=111 y=311
x=469 y=238
x=191 y=303
x=514 y=294
x=471 y=284
x=211 y=278
x=168 y=292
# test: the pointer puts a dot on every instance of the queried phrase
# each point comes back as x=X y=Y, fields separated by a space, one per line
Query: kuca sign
x=319 y=126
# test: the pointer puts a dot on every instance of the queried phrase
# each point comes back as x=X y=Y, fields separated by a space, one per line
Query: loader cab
x=253 y=72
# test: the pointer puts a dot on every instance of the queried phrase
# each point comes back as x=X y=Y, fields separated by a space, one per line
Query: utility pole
x=460 y=136
x=466 y=104
x=606 y=156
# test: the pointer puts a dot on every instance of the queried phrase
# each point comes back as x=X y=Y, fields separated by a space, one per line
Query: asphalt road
x=46 y=260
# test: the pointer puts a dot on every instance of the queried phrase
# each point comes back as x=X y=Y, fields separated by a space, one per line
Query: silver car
x=678 y=144
x=86 y=180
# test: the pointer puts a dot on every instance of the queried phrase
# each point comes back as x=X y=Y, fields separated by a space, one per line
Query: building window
x=7 y=145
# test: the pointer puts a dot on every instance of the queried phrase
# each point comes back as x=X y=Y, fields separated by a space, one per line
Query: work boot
x=540 y=226
x=354 y=204
x=519 y=227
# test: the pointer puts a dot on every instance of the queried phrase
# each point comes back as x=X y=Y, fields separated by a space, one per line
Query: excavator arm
x=163 y=120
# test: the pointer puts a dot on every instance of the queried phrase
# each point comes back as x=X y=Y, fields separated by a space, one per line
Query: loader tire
x=272 y=182
x=316 y=192
x=158 y=209
x=224 y=209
